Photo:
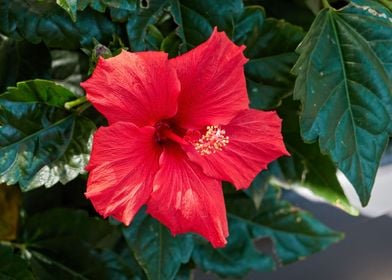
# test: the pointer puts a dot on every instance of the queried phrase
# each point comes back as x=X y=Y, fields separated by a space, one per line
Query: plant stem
x=69 y=105
x=14 y=245
x=326 y=4
x=82 y=108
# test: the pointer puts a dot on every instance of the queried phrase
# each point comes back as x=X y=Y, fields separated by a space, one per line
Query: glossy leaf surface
x=156 y=250
x=39 y=136
x=345 y=85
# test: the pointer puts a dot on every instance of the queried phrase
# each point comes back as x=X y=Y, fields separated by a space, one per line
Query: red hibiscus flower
x=177 y=128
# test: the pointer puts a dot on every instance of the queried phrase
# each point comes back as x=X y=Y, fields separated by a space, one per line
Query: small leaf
x=39 y=136
x=12 y=266
x=345 y=85
x=294 y=232
x=157 y=251
x=9 y=209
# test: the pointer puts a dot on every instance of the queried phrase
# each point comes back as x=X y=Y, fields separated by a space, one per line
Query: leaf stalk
x=326 y=4
x=71 y=104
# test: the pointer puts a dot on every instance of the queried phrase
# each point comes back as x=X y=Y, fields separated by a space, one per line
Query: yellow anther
x=212 y=141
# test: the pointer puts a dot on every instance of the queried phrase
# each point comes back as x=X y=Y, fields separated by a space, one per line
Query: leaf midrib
x=36 y=133
x=348 y=99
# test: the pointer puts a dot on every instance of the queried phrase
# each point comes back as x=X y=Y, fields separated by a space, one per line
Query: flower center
x=212 y=141
x=165 y=131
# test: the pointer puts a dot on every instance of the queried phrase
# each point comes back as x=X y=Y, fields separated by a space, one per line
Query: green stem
x=69 y=105
x=326 y=4
x=82 y=108
x=20 y=246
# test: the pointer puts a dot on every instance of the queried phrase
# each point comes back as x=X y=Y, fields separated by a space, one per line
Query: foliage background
x=325 y=67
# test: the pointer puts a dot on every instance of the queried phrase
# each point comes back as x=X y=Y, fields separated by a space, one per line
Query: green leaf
x=295 y=11
x=387 y=3
x=237 y=258
x=101 y=5
x=39 y=136
x=140 y=26
x=157 y=251
x=307 y=167
x=122 y=266
x=258 y=187
x=294 y=232
x=67 y=244
x=44 y=21
x=270 y=47
x=12 y=266
x=195 y=21
x=345 y=85
x=70 y=6
x=20 y=60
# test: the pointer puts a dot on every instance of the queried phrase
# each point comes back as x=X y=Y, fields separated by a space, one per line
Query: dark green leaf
x=307 y=167
x=41 y=142
x=345 y=85
x=70 y=6
x=270 y=47
x=20 y=60
x=122 y=266
x=258 y=188
x=171 y=45
x=237 y=258
x=157 y=251
x=65 y=244
x=12 y=267
x=101 y=5
x=294 y=232
x=196 y=20
x=38 y=21
x=140 y=26
x=298 y=12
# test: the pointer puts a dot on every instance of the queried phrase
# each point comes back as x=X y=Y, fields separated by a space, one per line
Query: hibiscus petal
x=213 y=88
x=141 y=88
x=123 y=163
x=255 y=140
x=186 y=200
